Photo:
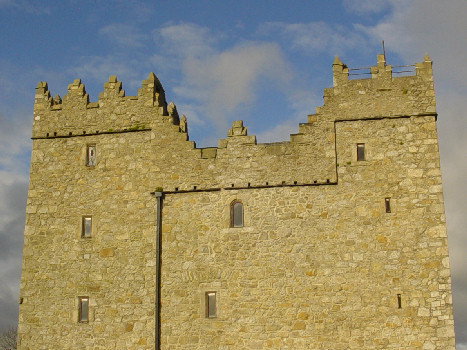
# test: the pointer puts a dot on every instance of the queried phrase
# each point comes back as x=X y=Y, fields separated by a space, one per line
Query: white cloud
x=364 y=7
x=94 y=70
x=124 y=35
x=301 y=101
x=225 y=81
x=186 y=40
x=26 y=6
x=221 y=82
x=315 y=37
x=280 y=132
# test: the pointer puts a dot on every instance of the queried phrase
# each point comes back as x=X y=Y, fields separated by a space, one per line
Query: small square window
x=387 y=204
x=83 y=314
x=211 y=307
x=86 y=230
x=91 y=155
x=360 y=151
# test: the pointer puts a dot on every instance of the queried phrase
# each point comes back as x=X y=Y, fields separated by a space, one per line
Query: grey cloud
x=422 y=26
x=226 y=81
x=13 y=204
x=8 y=308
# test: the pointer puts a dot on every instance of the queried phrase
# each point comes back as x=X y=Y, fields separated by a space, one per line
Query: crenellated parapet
x=387 y=92
x=113 y=112
x=309 y=157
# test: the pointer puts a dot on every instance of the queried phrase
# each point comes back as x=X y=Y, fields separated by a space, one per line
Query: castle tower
x=335 y=239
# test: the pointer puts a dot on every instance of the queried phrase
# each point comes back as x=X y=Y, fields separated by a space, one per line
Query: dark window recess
x=360 y=151
x=236 y=214
x=211 y=307
x=387 y=204
x=91 y=155
x=86 y=230
x=399 y=301
x=83 y=309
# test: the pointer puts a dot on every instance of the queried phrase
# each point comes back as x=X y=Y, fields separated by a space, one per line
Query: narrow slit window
x=86 y=231
x=360 y=151
x=387 y=204
x=211 y=307
x=399 y=301
x=91 y=155
x=236 y=214
x=83 y=309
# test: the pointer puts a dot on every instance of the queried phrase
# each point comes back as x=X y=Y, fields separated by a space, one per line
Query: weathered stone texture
x=318 y=263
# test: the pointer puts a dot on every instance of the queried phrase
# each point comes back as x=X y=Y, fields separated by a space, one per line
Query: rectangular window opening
x=236 y=214
x=399 y=301
x=91 y=155
x=211 y=307
x=86 y=230
x=387 y=204
x=83 y=309
x=360 y=151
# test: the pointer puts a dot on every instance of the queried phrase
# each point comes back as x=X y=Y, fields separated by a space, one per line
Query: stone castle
x=336 y=239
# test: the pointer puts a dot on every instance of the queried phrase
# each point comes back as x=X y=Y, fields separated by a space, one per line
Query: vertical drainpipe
x=158 y=196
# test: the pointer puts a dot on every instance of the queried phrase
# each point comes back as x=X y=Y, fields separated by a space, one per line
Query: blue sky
x=265 y=62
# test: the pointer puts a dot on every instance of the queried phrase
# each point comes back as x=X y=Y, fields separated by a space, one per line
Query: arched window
x=236 y=214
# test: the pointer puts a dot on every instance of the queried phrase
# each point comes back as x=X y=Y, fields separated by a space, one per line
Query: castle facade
x=336 y=239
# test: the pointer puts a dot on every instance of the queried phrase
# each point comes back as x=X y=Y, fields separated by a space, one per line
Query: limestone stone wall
x=318 y=264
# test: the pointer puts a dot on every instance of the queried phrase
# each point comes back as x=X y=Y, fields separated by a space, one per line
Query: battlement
x=381 y=71
x=388 y=95
x=309 y=156
x=113 y=112
x=382 y=94
x=151 y=93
